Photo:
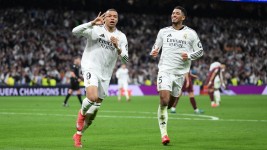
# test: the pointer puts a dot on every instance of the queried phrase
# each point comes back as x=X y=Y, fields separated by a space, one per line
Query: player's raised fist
x=114 y=41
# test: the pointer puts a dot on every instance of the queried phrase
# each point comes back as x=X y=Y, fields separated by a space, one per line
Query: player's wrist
x=118 y=50
x=91 y=23
x=189 y=56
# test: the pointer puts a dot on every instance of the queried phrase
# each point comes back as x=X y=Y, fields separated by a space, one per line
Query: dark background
x=207 y=8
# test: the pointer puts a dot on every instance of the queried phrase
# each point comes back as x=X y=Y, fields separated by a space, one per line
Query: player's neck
x=110 y=29
x=178 y=26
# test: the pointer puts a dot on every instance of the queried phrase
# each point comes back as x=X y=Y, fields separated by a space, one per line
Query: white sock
x=126 y=94
x=119 y=95
x=173 y=108
x=79 y=132
x=90 y=116
x=163 y=119
x=197 y=110
x=86 y=105
x=217 y=96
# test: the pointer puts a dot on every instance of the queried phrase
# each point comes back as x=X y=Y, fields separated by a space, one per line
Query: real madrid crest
x=185 y=36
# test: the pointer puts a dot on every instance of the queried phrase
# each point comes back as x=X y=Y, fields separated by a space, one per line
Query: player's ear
x=183 y=18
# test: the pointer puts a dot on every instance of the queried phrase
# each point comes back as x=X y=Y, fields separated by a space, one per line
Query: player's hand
x=184 y=56
x=99 y=20
x=155 y=52
x=114 y=41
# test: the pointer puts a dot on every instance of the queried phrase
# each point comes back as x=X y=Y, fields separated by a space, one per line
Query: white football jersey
x=173 y=42
x=214 y=65
x=100 y=55
x=122 y=75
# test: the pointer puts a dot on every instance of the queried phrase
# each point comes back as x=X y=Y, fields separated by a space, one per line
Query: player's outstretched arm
x=85 y=29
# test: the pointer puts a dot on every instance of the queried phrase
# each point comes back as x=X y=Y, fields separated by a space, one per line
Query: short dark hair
x=182 y=9
x=112 y=9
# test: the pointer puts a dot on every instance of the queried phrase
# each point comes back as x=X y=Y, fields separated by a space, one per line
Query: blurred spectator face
x=111 y=19
x=177 y=16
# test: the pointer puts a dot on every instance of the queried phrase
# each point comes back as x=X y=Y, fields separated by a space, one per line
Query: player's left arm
x=221 y=75
x=197 y=47
x=118 y=73
x=123 y=49
x=121 y=46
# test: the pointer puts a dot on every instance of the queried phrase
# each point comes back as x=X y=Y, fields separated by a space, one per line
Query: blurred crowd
x=37 y=44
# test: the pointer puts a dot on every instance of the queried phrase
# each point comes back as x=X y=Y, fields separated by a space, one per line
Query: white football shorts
x=91 y=79
x=217 y=82
x=170 y=82
x=123 y=84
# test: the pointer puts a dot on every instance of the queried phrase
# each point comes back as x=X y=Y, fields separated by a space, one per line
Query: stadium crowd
x=38 y=44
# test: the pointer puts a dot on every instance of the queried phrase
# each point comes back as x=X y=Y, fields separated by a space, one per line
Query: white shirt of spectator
x=100 y=55
x=173 y=42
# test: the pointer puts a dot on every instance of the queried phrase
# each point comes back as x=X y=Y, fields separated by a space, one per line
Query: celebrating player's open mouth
x=112 y=23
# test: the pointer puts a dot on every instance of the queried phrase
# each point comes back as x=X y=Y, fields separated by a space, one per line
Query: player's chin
x=112 y=25
x=174 y=22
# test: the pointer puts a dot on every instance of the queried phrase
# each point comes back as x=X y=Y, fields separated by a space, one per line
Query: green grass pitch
x=41 y=123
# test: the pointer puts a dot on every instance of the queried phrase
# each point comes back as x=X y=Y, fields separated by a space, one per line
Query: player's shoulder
x=98 y=27
x=190 y=30
x=216 y=63
x=121 y=34
x=166 y=29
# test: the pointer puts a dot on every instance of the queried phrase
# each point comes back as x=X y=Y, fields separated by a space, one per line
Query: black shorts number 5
x=160 y=79
x=88 y=75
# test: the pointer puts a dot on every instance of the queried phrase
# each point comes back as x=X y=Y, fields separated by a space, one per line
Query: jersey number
x=160 y=79
x=88 y=75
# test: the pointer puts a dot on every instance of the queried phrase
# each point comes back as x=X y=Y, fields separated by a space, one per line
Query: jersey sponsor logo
x=105 y=44
x=176 y=43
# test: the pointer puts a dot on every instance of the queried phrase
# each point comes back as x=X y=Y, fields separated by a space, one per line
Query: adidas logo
x=170 y=35
x=102 y=35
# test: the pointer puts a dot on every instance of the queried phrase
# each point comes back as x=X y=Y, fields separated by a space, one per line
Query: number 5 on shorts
x=160 y=79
